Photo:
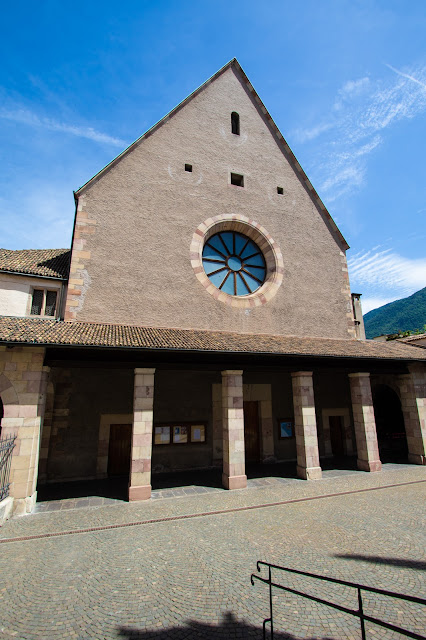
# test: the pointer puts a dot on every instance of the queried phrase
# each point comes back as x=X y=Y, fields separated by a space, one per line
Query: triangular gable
x=279 y=138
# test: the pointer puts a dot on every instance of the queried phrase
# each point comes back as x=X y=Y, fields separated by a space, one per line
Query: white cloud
x=24 y=116
x=391 y=274
x=350 y=90
x=363 y=109
x=303 y=135
x=351 y=173
x=406 y=75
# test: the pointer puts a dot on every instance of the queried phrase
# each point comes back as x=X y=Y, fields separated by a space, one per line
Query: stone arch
x=390 y=425
x=387 y=380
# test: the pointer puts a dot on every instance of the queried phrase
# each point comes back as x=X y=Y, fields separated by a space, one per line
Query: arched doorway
x=390 y=426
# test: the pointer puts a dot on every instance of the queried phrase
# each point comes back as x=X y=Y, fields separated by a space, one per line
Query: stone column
x=305 y=425
x=364 y=422
x=412 y=388
x=233 y=476
x=143 y=410
x=23 y=392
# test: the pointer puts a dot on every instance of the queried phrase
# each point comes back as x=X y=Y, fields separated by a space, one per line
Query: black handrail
x=359 y=613
x=6 y=448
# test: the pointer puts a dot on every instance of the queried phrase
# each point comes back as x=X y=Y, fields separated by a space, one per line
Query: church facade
x=205 y=319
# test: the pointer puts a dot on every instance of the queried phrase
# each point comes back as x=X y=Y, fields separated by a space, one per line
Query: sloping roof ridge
x=57 y=251
x=293 y=160
x=158 y=124
x=280 y=138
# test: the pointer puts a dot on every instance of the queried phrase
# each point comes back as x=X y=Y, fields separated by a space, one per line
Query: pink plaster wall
x=133 y=264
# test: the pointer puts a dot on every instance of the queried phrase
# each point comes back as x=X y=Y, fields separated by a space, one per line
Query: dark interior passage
x=390 y=425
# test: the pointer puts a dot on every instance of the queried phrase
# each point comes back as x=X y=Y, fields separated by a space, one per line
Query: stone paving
x=190 y=578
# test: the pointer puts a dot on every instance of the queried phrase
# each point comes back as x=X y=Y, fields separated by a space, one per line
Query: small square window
x=237 y=179
x=280 y=191
x=188 y=167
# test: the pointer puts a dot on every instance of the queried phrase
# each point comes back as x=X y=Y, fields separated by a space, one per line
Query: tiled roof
x=53 y=263
x=413 y=338
x=36 y=331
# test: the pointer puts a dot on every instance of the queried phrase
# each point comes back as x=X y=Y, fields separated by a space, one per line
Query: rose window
x=234 y=263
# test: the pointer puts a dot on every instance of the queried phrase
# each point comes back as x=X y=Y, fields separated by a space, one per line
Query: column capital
x=359 y=375
x=145 y=371
x=300 y=374
x=232 y=372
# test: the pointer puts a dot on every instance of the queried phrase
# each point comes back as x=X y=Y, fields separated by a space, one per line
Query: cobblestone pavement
x=190 y=577
x=206 y=481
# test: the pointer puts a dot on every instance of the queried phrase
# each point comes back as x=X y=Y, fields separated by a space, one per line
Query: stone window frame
x=106 y=420
x=265 y=242
x=45 y=291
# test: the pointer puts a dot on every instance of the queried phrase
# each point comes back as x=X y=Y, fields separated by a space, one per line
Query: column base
x=6 y=509
x=142 y=492
x=416 y=458
x=309 y=473
x=234 y=482
x=22 y=506
x=372 y=465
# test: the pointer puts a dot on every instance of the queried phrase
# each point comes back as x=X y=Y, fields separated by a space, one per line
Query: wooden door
x=120 y=444
x=336 y=435
x=251 y=431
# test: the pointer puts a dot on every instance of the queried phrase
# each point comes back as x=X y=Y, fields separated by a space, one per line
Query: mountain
x=407 y=314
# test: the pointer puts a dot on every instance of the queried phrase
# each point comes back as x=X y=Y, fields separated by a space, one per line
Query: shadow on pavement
x=228 y=629
x=395 y=562
x=116 y=488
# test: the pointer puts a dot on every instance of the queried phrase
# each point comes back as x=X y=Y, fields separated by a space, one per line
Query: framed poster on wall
x=286 y=428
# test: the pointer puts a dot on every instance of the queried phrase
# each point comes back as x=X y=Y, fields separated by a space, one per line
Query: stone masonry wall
x=135 y=223
x=23 y=381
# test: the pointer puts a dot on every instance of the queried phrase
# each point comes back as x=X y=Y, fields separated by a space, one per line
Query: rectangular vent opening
x=188 y=167
x=237 y=179
x=280 y=191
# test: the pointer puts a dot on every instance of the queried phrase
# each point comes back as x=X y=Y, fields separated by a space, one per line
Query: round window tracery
x=234 y=263
x=270 y=264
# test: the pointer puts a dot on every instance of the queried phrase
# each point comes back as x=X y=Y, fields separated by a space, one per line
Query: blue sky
x=345 y=81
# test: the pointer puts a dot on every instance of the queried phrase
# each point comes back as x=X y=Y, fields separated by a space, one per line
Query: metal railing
x=6 y=448
x=358 y=613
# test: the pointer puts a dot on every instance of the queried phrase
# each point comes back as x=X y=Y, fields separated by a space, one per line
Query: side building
x=207 y=320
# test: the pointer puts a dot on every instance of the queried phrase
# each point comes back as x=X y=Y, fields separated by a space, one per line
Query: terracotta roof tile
x=413 y=338
x=53 y=263
x=49 y=332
